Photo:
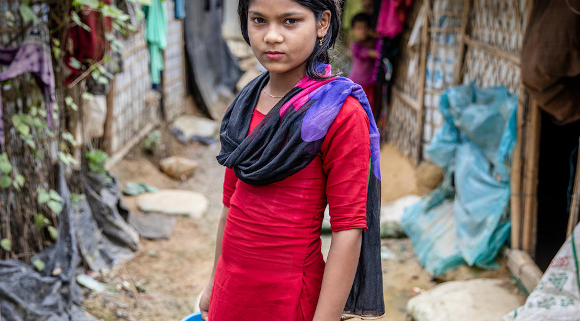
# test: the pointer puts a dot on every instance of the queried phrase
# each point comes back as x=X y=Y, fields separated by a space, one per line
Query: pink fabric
x=362 y=71
x=271 y=266
x=392 y=17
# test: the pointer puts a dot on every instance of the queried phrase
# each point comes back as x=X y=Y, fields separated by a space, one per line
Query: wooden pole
x=422 y=74
x=460 y=56
x=523 y=268
x=531 y=179
x=575 y=205
x=516 y=177
x=109 y=120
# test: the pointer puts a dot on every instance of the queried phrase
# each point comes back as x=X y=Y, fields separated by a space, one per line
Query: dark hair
x=361 y=17
x=320 y=53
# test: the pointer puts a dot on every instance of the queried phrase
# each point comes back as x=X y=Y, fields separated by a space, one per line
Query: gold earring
x=320 y=42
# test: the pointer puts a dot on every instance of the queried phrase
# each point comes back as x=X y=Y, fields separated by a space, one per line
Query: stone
x=174 y=202
x=391 y=214
x=189 y=128
x=152 y=226
x=178 y=167
x=474 y=300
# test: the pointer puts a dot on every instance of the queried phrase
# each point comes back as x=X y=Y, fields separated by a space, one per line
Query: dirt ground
x=165 y=277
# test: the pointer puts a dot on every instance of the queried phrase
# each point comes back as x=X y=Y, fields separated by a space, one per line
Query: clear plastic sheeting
x=466 y=220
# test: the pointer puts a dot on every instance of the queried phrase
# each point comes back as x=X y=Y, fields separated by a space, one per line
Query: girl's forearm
x=218 y=242
x=339 y=274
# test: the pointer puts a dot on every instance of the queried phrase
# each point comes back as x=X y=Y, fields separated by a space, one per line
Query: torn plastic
x=466 y=220
x=28 y=295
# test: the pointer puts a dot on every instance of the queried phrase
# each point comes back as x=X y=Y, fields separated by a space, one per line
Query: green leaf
x=42 y=112
x=53 y=232
x=56 y=42
x=103 y=80
x=23 y=129
x=20 y=179
x=39 y=265
x=94 y=4
x=104 y=71
x=6 y=245
x=56 y=52
x=5 y=181
x=87 y=96
x=74 y=63
x=40 y=221
x=43 y=196
x=55 y=207
x=75 y=17
x=69 y=100
x=27 y=14
x=69 y=138
x=33 y=111
x=5 y=166
x=55 y=196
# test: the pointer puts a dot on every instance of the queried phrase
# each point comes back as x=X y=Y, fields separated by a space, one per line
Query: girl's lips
x=273 y=54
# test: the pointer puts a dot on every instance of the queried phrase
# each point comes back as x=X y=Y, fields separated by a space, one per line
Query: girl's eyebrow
x=285 y=15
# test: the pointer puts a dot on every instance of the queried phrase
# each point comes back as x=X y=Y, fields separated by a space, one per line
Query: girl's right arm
x=204 y=302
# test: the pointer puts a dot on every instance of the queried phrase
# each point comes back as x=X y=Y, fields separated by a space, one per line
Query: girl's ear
x=323 y=24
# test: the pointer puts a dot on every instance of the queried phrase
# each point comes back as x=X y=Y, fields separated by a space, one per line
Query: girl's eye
x=258 y=20
x=290 y=21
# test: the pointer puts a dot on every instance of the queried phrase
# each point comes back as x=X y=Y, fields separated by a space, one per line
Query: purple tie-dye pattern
x=330 y=95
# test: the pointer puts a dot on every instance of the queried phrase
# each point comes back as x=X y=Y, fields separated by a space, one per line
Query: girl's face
x=283 y=34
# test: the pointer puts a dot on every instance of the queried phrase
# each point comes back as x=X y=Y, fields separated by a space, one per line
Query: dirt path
x=165 y=277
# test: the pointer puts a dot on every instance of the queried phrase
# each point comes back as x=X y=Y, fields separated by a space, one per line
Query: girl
x=293 y=140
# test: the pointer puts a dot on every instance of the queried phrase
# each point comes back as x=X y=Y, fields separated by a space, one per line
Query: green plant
x=96 y=160
x=51 y=198
x=151 y=142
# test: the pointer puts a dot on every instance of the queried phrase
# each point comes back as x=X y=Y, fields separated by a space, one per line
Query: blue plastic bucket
x=193 y=317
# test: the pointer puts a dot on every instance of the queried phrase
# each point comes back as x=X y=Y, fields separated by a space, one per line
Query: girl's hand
x=204 y=302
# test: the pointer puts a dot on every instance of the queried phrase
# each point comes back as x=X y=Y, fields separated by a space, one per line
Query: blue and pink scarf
x=288 y=139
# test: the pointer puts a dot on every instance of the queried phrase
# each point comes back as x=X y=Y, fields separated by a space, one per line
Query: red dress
x=271 y=264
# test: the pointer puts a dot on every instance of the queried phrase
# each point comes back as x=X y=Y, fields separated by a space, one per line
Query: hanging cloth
x=392 y=17
x=156 y=36
x=287 y=140
x=32 y=56
x=85 y=46
x=180 y=9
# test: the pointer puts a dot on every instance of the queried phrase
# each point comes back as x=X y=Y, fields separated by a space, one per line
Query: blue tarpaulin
x=466 y=219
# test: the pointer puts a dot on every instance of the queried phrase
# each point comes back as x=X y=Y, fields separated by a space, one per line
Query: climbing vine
x=29 y=206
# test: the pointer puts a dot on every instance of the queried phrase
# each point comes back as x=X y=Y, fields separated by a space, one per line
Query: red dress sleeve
x=346 y=156
x=230 y=181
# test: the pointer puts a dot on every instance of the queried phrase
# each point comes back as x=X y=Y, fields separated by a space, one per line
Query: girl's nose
x=273 y=35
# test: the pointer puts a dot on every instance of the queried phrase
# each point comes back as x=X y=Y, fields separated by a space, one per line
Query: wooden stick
x=422 y=75
x=406 y=98
x=120 y=154
x=107 y=141
x=461 y=55
x=516 y=178
x=531 y=180
x=523 y=268
x=514 y=58
x=575 y=205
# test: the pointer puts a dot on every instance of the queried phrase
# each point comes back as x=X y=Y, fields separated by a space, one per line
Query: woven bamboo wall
x=467 y=40
x=174 y=73
x=130 y=110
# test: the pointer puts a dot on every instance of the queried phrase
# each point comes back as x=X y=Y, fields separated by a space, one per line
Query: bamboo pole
x=523 y=268
x=575 y=205
x=461 y=54
x=422 y=75
x=109 y=119
x=531 y=179
x=516 y=178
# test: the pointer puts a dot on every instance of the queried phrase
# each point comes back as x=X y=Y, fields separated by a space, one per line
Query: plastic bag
x=466 y=220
